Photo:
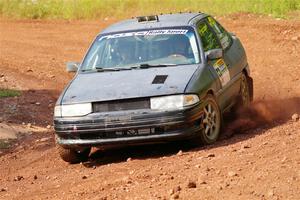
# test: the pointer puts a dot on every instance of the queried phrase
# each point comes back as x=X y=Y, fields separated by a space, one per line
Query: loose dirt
x=257 y=158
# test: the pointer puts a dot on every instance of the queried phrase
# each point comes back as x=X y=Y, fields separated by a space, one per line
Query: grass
x=95 y=9
x=9 y=93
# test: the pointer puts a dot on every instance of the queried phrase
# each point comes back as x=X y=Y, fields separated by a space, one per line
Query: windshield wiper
x=114 y=69
x=146 y=65
x=102 y=69
x=141 y=66
x=98 y=69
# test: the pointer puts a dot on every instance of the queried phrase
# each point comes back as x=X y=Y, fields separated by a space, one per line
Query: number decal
x=222 y=71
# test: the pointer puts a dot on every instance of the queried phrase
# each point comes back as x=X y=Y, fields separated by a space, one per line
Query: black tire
x=72 y=155
x=212 y=122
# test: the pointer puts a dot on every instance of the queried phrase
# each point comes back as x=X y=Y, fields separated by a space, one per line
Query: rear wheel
x=73 y=155
x=212 y=122
x=245 y=97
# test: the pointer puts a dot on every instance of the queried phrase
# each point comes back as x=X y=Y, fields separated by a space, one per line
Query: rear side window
x=208 y=38
x=222 y=34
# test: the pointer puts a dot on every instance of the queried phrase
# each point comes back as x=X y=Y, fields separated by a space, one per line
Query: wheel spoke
x=213 y=114
x=209 y=108
x=213 y=123
x=205 y=110
x=206 y=130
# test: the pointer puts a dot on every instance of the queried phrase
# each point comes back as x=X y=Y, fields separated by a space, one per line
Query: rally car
x=152 y=79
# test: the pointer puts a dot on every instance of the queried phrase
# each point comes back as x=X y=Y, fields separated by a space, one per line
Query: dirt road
x=261 y=159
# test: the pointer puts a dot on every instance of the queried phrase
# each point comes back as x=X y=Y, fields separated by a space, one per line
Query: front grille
x=120 y=105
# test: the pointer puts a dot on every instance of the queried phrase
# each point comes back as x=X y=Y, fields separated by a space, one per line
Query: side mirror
x=214 y=54
x=72 y=66
x=232 y=34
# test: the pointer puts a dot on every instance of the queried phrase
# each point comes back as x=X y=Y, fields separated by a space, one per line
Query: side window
x=222 y=34
x=208 y=38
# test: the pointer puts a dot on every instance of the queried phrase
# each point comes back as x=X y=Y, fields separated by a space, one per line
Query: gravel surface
x=257 y=158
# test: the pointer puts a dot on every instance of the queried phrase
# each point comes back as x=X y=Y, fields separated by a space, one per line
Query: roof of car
x=164 y=20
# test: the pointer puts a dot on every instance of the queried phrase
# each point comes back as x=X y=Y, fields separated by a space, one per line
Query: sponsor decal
x=222 y=71
x=148 y=33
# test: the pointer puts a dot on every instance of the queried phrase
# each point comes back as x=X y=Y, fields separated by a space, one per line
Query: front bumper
x=122 y=128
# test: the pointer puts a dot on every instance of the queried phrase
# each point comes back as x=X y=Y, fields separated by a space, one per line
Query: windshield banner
x=148 y=33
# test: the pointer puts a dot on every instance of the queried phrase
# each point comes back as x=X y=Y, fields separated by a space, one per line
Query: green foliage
x=92 y=9
x=9 y=93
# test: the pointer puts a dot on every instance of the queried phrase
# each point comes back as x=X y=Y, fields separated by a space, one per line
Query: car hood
x=135 y=83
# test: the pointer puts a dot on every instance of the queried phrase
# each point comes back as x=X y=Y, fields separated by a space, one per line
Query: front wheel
x=212 y=122
x=73 y=155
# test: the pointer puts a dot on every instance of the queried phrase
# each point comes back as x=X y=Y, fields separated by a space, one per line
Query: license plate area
x=136 y=132
x=122 y=134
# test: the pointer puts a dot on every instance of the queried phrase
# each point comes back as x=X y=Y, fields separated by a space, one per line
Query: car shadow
x=243 y=125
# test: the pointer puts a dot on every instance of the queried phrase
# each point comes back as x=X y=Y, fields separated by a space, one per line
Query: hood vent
x=159 y=79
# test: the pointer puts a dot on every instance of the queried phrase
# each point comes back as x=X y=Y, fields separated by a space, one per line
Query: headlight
x=173 y=102
x=73 y=110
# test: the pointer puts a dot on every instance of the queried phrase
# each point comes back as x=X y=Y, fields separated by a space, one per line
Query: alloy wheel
x=211 y=121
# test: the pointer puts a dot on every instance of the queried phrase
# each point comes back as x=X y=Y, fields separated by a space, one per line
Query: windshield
x=151 y=47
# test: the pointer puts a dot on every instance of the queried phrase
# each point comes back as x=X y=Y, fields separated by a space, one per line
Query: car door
x=234 y=54
x=218 y=67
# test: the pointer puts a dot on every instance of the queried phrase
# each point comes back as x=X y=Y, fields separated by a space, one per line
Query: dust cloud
x=261 y=113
